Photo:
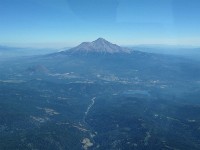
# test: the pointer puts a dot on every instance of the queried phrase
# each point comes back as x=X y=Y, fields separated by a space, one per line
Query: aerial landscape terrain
x=99 y=95
x=99 y=74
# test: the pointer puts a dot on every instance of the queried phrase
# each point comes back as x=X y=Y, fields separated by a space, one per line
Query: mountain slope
x=98 y=46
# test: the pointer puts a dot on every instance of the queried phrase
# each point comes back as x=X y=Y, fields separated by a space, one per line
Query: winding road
x=90 y=106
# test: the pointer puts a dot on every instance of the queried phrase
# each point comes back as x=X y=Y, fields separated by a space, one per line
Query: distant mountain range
x=10 y=52
x=187 y=52
x=98 y=46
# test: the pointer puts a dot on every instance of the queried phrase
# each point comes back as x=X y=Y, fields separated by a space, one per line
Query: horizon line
x=60 y=45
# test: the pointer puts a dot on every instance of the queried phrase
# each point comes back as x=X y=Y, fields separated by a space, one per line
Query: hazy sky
x=59 y=23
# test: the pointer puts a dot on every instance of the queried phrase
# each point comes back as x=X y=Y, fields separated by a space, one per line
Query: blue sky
x=63 y=23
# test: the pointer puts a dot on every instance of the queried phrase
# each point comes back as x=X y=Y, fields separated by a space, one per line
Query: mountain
x=11 y=52
x=186 y=52
x=98 y=46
